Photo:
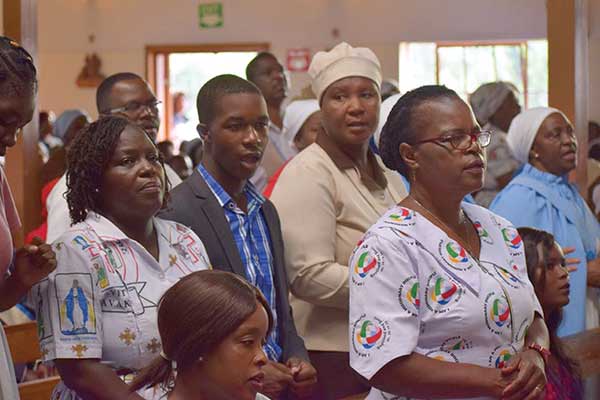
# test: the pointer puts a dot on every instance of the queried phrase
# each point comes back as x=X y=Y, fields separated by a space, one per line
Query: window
x=463 y=67
x=178 y=72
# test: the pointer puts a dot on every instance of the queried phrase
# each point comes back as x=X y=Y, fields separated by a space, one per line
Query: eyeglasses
x=135 y=107
x=461 y=141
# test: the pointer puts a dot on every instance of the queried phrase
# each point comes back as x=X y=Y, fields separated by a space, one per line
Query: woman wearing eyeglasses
x=540 y=196
x=436 y=281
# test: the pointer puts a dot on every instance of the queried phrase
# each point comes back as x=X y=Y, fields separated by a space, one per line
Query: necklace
x=462 y=218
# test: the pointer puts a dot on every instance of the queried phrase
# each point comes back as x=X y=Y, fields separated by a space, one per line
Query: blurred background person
x=540 y=196
x=301 y=126
x=67 y=126
x=495 y=105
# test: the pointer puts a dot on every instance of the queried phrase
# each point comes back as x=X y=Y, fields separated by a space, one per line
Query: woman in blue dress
x=540 y=196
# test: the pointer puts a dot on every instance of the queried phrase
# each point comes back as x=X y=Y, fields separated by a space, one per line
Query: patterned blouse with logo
x=101 y=301
x=413 y=289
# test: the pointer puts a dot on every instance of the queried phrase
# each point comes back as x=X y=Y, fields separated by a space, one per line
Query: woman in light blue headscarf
x=541 y=196
x=67 y=126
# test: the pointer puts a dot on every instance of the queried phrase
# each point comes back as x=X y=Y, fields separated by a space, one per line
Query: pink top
x=9 y=221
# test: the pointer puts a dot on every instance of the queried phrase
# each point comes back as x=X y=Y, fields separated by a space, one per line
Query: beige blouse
x=325 y=206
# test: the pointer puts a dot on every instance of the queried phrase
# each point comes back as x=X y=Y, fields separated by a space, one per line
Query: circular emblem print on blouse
x=456 y=343
x=408 y=295
x=497 y=313
x=441 y=293
x=369 y=334
x=367 y=263
x=507 y=276
x=402 y=217
x=512 y=238
x=442 y=355
x=483 y=233
x=455 y=255
x=501 y=356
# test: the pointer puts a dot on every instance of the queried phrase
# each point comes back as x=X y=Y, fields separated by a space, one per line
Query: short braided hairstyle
x=400 y=125
x=17 y=70
x=87 y=160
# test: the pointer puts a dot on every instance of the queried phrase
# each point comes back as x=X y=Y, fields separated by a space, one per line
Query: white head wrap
x=341 y=62
x=488 y=97
x=296 y=113
x=524 y=128
x=384 y=113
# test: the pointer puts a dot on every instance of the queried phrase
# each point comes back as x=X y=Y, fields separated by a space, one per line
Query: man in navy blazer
x=239 y=228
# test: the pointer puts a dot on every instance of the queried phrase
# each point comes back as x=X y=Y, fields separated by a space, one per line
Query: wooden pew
x=24 y=348
x=585 y=348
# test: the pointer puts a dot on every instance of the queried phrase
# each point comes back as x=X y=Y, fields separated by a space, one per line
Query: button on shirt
x=101 y=301
x=251 y=235
x=414 y=289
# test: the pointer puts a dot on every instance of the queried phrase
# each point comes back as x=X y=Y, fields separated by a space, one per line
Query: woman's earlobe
x=407 y=153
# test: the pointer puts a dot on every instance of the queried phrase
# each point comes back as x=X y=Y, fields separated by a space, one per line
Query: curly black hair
x=17 y=71
x=400 y=125
x=87 y=159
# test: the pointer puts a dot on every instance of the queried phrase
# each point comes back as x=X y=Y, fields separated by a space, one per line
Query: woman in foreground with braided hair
x=212 y=325
x=97 y=313
x=21 y=269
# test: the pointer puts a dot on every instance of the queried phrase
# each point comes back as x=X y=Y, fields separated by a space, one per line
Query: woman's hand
x=526 y=370
x=593 y=273
x=571 y=263
x=33 y=263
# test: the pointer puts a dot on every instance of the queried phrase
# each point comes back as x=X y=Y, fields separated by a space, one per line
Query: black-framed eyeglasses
x=135 y=107
x=461 y=141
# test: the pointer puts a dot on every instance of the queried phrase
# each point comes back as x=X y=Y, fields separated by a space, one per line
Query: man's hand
x=277 y=378
x=305 y=378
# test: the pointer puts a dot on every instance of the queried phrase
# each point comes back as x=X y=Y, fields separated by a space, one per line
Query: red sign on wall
x=298 y=60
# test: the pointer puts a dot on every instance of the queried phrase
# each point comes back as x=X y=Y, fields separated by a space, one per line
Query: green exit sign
x=210 y=15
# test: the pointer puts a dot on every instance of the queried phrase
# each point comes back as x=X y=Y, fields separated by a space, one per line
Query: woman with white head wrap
x=495 y=105
x=327 y=197
x=541 y=196
x=301 y=125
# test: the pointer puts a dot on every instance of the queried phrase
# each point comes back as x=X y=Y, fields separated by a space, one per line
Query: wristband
x=545 y=353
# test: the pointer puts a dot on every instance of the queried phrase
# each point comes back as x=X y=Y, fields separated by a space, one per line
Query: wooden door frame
x=152 y=51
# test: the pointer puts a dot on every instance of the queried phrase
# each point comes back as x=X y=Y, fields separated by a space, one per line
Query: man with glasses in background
x=130 y=96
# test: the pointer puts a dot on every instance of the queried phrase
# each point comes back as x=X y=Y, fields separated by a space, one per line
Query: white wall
x=123 y=27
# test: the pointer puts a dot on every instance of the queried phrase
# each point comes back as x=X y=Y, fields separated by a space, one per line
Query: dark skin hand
x=31 y=264
x=305 y=378
x=277 y=378
x=529 y=369
x=93 y=380
x=528 y=366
